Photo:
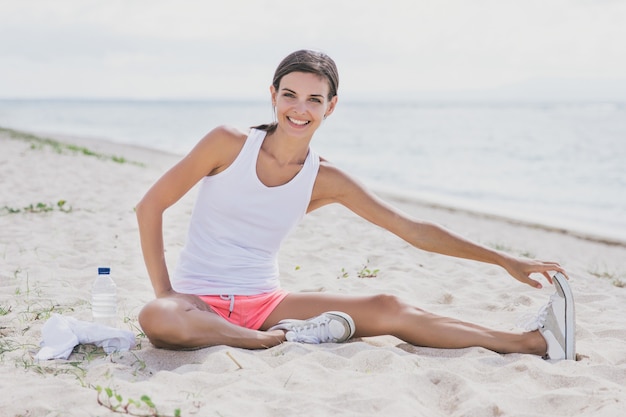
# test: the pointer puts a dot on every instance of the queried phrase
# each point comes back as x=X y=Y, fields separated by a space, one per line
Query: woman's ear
x=273 y=94
x=331 y=107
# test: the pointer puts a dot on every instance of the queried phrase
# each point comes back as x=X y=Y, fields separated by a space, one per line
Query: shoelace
x=316 y=332
x=531 y=322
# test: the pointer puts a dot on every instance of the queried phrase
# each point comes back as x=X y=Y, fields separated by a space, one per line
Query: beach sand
x=49 y=259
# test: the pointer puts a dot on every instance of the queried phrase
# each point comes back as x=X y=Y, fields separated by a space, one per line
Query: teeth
x=298 y=122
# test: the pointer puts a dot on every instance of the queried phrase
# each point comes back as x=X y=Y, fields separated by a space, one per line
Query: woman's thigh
x=373 y=315
x=186 y=322
x=175 y=304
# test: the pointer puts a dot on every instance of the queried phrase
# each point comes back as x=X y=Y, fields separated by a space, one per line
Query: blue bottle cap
x=104 y=271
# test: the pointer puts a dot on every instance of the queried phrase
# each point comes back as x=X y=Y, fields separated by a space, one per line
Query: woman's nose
x=300 y=107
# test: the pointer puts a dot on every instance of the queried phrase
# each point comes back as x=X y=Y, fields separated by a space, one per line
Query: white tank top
x=238 y=225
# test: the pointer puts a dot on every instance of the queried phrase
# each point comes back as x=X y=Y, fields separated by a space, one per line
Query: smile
x=298 y=122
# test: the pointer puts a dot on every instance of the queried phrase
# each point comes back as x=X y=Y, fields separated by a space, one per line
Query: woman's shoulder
x=222 y=138
x=334 y=185
x=219 y=148
x=226 y=133
x=331 y=172
x=332 y=181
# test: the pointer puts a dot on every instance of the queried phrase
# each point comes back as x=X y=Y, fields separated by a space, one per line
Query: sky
x=177 y=49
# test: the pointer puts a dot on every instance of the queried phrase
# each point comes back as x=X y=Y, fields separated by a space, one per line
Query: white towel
x=60 y=334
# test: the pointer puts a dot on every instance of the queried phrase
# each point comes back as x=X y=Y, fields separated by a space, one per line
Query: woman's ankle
x=535 y=343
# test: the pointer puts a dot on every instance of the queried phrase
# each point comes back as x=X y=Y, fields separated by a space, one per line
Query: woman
x=255 y=187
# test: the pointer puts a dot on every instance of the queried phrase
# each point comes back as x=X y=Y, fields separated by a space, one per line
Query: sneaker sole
x=560 y=282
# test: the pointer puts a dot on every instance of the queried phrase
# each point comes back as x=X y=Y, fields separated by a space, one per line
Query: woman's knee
x=148 y=316
x=381 y=314
x=158 y=320
x=389 y=304
x=388 y=309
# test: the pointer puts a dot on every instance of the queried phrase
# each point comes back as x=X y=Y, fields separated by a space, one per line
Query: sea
x=560 y=165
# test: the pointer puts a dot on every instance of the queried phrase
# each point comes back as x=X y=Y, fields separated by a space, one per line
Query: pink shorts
x=249 y=311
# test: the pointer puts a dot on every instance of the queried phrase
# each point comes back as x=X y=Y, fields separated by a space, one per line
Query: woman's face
x=302 y=102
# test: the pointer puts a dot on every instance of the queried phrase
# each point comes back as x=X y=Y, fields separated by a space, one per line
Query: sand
x=48 y=260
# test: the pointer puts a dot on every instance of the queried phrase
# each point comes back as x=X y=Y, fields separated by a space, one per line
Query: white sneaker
x=556 y=321
x=329 y=327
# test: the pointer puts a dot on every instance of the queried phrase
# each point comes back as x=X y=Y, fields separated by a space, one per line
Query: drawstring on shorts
x=232 y=302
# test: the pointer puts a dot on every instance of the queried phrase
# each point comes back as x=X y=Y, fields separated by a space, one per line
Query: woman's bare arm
x=211 y=155
x=333 y=185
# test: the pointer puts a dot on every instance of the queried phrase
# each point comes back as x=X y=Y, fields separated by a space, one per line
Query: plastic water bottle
x=104 y=298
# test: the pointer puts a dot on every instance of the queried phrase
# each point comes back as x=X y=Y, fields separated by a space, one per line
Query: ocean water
x=560 y=165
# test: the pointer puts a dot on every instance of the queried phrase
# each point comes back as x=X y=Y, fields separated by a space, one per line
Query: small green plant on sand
x=343 y=273
x=73 y=368
x=132 y=323
x=366 y=272
x=40 y=207
x=143 y=407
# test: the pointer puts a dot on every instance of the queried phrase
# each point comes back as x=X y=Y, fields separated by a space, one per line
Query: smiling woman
x=302 y=101
x=317 y=78
x=255 y=187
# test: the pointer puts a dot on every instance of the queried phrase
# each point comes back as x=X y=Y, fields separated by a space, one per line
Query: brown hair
x=308 y=61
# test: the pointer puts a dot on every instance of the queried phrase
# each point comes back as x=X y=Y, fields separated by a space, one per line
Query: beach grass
x=39 y=142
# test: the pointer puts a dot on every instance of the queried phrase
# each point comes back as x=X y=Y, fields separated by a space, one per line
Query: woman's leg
x=386 y=315
x=186 y=322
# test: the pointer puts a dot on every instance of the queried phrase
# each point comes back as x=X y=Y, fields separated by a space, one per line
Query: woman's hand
x=168 y=293
x=522 y=268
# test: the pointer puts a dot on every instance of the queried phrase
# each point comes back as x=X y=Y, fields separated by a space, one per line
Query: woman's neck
x=286 y=150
